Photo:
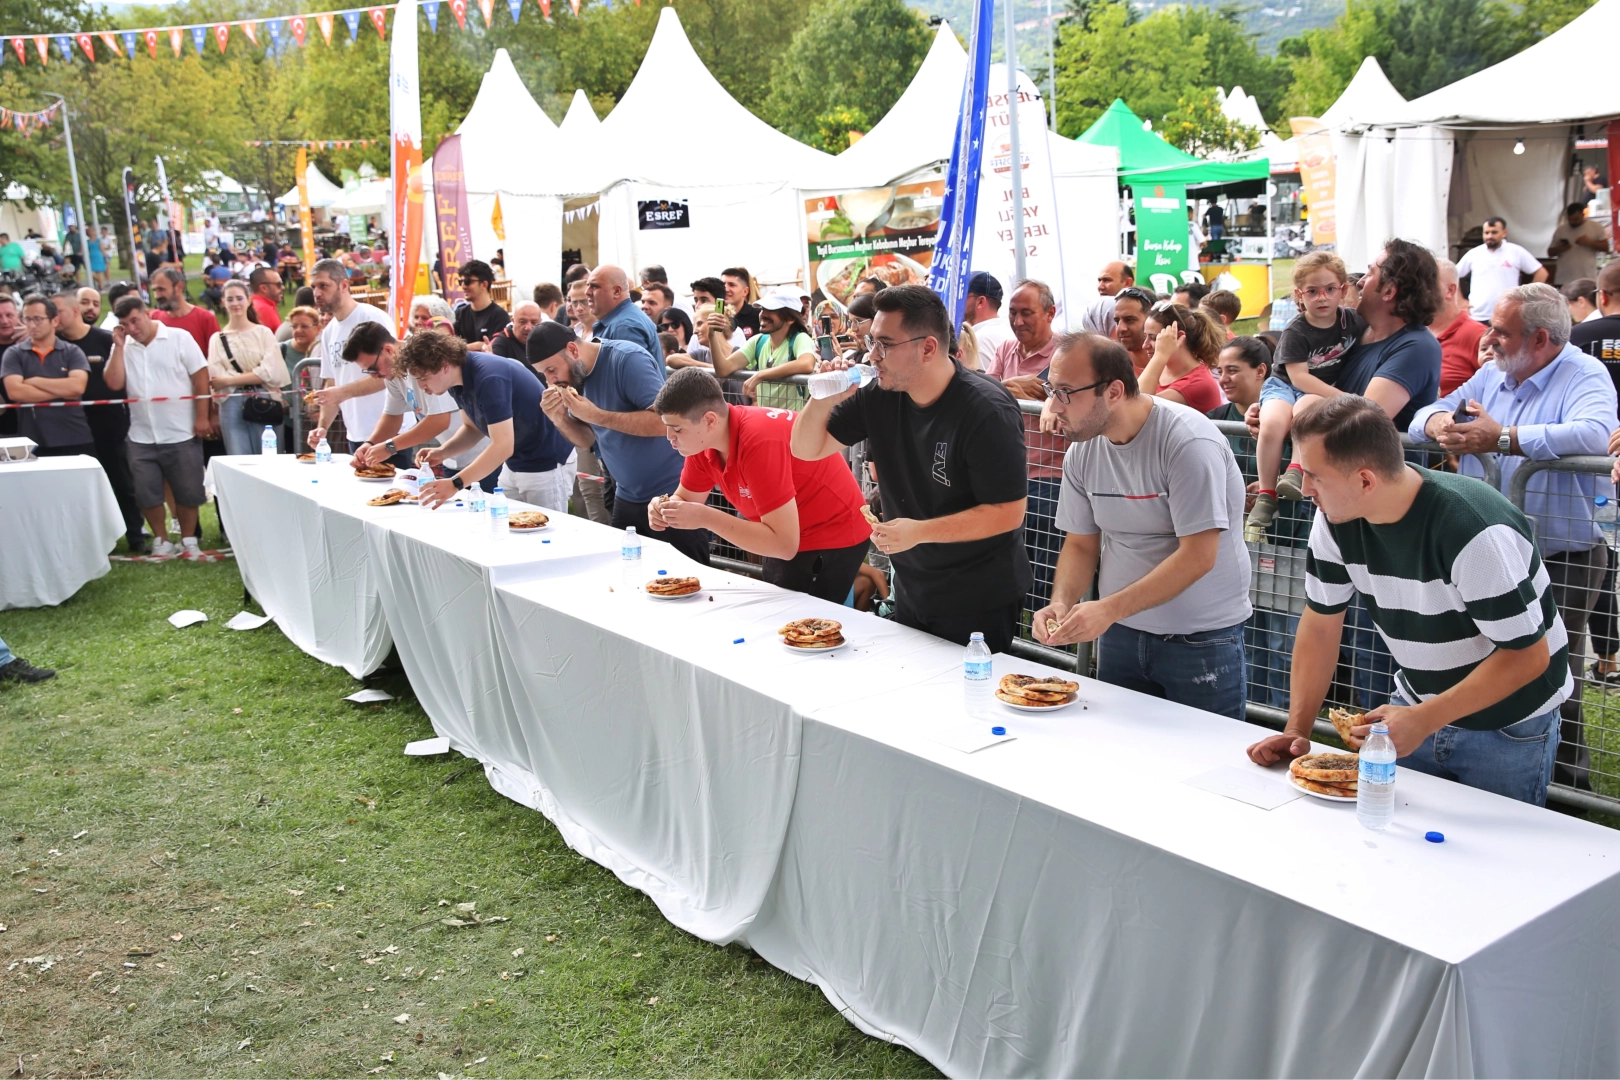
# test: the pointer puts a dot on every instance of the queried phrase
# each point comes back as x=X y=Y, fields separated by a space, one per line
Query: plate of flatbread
x=527 y=521
x=1330 y=777
x=813 y=635
x=1036 y=693
x=391 y=497
x=673 y=588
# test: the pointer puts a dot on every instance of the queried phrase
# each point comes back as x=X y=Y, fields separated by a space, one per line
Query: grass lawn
x=217 y=867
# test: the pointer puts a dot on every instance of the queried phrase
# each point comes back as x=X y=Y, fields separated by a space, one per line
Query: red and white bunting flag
x=458 y=8
x=21 y=46
x=151 y=43
x=42 y=45
x=300 y=27
x=325 y=22
x=222 y=35
x=251 y=29
x=545 y=9
x=87 y=46
x=174 y=40
x=379 y=19
x=487 y=7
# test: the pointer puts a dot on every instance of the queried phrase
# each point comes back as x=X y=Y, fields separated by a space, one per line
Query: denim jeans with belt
x=1204 y=670
x=1516 y=761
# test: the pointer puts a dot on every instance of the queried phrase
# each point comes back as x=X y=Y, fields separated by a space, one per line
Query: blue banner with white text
x=953 y=254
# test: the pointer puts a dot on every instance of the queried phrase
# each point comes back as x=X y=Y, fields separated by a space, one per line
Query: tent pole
x=1016 y=171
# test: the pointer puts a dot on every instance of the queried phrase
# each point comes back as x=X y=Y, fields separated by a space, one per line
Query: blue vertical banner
x=952 y=264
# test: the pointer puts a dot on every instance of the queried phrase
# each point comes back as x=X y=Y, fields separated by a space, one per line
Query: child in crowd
x=1309 y=358
x=1226 y=306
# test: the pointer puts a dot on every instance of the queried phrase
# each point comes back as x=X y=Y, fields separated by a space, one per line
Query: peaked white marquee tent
x=322 y=192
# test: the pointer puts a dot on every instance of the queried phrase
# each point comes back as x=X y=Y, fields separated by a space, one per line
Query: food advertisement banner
x=1318 y=177
x=887 y=233
x=1163 y=241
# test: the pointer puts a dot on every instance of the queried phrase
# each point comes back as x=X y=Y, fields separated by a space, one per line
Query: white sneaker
x=190 y=548
x=163 y=548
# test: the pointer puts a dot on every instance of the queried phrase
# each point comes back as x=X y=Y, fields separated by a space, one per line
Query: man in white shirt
x=374 y=349
x=151 y=360
x=1494 y=267
x=1098 y=316
x=1576 y=243
x=982 y=311
x=345 y=385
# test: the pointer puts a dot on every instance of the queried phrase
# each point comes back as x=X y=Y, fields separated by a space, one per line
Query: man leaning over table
x=45 y=368
x=948 y=444
x=500 y=400
x=803 y=517
x=1152 y=494
x=372 y=348
x=1543 y=399
x=1454 y=584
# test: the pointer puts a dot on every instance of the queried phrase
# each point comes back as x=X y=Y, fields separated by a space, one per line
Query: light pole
x=1016 y=174
x=73 y=170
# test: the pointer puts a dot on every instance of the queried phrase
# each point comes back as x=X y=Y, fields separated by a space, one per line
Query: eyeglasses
x=1311 y=292
x=36 y=320
x=880 y=349
x=1063 y=394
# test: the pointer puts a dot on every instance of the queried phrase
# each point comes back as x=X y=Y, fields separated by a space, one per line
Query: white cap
x=780 y=300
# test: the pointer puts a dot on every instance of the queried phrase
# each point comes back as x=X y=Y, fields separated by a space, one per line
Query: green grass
x=269 y=856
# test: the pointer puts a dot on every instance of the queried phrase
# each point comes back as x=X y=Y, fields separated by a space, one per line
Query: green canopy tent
x=1144 y=156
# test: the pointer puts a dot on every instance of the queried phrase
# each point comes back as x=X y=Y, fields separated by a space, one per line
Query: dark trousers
x=693 y=543
x=828 y=573
x=115 y=463
x=1601 y=626
x=88 y=449
x=998 y=625
x=1576 y=577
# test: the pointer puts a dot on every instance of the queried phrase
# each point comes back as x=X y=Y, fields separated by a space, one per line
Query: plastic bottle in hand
x=831 y=383
x=323 y=452
x=976 y=687
x=630 y=558
x=498 y=514
x=1375 y=780
x=267 y=442
x=474 y=498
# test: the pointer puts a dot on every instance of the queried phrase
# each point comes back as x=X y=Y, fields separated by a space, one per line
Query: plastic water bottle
x=323 y=452
x=1603 y=512
x=267 y=442
x=976 y=678
x=630 y=558
x=1283 y=312
x=827 y=384
x=1375 y=780
x=474 y=498
x=498 y=513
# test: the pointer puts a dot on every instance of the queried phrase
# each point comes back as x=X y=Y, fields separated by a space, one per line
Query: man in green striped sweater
x=1455 y=585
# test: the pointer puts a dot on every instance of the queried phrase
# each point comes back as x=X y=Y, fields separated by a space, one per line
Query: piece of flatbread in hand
x=1343 y=720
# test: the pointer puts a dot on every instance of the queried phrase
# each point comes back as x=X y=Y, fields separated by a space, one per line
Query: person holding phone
x=782 y=348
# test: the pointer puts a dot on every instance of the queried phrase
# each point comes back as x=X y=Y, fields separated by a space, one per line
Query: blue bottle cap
x=661 y=573
x=998 y=730
x=736 y=641
x=1435 y=837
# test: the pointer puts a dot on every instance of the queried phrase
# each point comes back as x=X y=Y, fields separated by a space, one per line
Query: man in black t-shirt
x=513 y=342
x=482 y=318
x=109 y=424
x=1600 y=338
x=948 y=444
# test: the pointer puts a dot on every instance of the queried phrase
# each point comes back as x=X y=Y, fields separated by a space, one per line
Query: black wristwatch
x=457 y=481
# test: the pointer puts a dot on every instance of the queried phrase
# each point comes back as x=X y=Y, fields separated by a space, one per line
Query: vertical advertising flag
x=953 y=253
x=405 y=135
x=1317 y=177
x=1163 y=239
x=450 y=214
x=306 y=220
x=998 y=237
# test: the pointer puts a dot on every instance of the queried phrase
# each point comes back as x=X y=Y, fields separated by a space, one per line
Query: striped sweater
x=1455 y=579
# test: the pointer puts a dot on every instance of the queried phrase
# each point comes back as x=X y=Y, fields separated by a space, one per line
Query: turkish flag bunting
x=151 y=43
x=22 y=49
x=87 y=46
x=300 y=26
x=222 y=34
x=545 y=9
x=110 y=41
x=379 y=19
x=459 y=9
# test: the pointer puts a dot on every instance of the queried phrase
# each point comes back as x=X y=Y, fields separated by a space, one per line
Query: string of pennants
x=317 y=144
x=120 y=42
x=27 y=122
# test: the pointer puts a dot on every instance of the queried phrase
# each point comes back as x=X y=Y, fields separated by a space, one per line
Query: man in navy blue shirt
x=602 y=392
x=500 y=399
x=618 y=318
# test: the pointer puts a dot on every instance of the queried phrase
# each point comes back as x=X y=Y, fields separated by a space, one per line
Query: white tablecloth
x=58 y=521
x=1061 y=904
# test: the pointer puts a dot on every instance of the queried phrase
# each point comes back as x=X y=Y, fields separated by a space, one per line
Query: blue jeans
x=1268 y=646
x=1516 y=761
x=1204 y=670
x=240 y=436
x=5 y=653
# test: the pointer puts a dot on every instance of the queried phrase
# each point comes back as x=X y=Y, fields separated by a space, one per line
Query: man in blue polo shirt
x=602 y=392
x=617 y=316
x=500 y=399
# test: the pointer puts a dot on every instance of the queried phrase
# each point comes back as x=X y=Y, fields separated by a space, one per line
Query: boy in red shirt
x=804 y=517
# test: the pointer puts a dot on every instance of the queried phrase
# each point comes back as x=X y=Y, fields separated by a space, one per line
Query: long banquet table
x=1061 y=904
x=58 y=522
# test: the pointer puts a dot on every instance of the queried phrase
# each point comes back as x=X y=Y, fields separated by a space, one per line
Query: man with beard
x=1542 y=399
x=345 y=385
x=174 y=308
x=1152 y=493
x=1494 y=267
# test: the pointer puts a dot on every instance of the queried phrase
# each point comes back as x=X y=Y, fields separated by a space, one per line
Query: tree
x=1147 y=63
x=850 y=63
x=1234 y=58
x=1198 y=126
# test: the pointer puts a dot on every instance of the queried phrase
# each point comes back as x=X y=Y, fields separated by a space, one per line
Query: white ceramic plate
x=524 y=532
x=660 y=596
x=1351 y=799
x=376 y=479
x=814 y=652
x=1037 y=708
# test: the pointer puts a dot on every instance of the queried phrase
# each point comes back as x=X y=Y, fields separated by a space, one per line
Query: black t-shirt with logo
x=475 y=326
x=107 y=422
x=1600 y=338
x=964 y=450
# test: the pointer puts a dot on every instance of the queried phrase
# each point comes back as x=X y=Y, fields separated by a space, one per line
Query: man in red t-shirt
x=1458 y=331
x=174 y=308
x=804 y=517
x=267 y=294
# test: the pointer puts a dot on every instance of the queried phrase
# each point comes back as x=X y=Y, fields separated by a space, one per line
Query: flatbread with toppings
x=306 y=457
x=674 y=586
x=1341 y=791
x=1038 y=684
x=1335 y=768
x=375 y=472
x=813 y=633
x=388 y=498
x=1343 y=720
x=527 y=519
x=1028 y=701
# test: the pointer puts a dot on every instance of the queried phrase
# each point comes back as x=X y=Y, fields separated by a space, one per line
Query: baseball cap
x=985 y=285
x=779 y=300
x=547 y=340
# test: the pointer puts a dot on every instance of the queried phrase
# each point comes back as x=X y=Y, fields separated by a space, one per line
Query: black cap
x=547 y=340
x=985 y=285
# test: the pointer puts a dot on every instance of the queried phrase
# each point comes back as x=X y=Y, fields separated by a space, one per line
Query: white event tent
x=914 y=139
x=322 y=192
x=579 y=129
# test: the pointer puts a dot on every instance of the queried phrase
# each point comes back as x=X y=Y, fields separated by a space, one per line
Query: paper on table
x=182 y=619
x=246 y=620
x=970 y=737
x=362 y=697
x=1245 y=785
x=427 y=747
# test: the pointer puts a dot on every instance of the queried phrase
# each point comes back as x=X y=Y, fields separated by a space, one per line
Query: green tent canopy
x=1144 y=157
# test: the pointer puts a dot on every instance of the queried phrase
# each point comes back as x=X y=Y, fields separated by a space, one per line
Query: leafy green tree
x=1198 y=126
x=1148 y=63
x=850 y=63
x=1234 y=58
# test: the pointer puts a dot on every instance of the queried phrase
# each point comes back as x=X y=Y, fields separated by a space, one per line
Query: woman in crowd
x=1582 y=297
x=1185 y=345
x=243 y=356
x=424 y=309
x=1241 y=370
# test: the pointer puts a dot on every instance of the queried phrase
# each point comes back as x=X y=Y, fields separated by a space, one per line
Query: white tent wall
x=1391 y=182
x=534 y=234
x=1526 y=190
x=16 y=218
x=758 y=226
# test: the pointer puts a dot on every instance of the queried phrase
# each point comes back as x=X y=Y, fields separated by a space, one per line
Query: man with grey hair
x=345 y=385
x=1542 y=399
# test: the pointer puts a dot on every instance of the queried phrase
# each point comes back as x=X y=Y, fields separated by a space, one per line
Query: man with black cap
x=983 y=312
x=601 y=393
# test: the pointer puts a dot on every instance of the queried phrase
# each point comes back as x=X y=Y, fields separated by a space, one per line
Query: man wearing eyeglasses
x=1152 y=494
x=45 y=368
x=948 y=444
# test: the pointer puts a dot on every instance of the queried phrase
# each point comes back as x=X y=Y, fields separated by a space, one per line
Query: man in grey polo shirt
x=44 y=368
x=1152 y=493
